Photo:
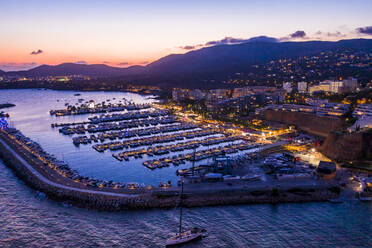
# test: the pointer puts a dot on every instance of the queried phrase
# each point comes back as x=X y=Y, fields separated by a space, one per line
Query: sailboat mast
x=180 y=228
x=193 y=161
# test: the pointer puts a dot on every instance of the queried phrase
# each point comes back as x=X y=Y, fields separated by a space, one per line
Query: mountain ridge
x=218 y=58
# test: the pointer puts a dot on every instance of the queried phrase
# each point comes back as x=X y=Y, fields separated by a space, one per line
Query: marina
x=217 y=167
x=145 y=129
x=155 y=148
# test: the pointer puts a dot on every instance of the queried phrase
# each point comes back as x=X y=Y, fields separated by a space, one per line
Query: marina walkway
x=57 y=185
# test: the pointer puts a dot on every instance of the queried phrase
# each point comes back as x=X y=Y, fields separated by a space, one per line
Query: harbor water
x=31 y=116
x=29 y=219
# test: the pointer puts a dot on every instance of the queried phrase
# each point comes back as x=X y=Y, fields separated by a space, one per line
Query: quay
x=34 y=170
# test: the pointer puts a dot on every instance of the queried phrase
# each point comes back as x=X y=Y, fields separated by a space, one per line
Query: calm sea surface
x=28 y=219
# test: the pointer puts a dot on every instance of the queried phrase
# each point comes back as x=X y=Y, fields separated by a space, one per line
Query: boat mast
x=180 y=228
x=193 y=161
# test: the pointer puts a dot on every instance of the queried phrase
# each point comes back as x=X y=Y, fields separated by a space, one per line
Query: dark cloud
x=188 y=47
x=365 y=30
x=105 y=62
x=298 y=34
x=82 y=62
x=123 y=63
x=229 y=41
x=36 y=52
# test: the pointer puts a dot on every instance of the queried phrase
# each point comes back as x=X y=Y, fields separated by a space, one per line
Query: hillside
x=210 y=64
x=237 y=57
x=94 y=70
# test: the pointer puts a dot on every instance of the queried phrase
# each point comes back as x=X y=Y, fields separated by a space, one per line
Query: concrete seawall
x=205 y=196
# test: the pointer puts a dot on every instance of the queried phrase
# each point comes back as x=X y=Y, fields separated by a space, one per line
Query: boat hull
x=173 y=242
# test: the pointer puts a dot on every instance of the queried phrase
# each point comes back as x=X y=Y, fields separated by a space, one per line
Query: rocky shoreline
x=108 y=201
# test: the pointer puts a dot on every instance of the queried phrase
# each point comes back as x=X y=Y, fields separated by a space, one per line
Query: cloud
x=81 y=62
x=187 y=47
x=17 y=66
x=336 y=34
x=230 y=41
x=105 y=62
x=365 y=30
x=36 y=52
x=144 y=62
x=298 y=34
x=123 y=63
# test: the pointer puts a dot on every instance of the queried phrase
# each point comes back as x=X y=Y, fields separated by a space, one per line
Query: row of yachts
x=165 y=149
x=148 y=141
x=197 y=156
x=104 y=127
x=128 y=116
x=125 y=134
x=98 y=108
x=139 y=122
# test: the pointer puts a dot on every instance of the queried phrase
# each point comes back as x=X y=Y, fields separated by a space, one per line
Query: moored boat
x=187 y=236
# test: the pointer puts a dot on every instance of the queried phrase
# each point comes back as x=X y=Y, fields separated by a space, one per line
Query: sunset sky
x=123 y=33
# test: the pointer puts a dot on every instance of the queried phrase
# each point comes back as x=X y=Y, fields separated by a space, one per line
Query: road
x=57 y=185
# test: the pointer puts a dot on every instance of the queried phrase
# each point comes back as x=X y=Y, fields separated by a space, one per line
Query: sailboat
x=184 y=236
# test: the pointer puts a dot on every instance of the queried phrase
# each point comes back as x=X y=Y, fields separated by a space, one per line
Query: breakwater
x=195 y=195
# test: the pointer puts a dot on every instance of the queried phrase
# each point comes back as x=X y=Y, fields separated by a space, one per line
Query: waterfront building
x=332 y=109
x=336 y=87
x=218 y=94
x=287 y=86
x=319 y=88
x=350 y=85
x=302 y=87
x=363 y=110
